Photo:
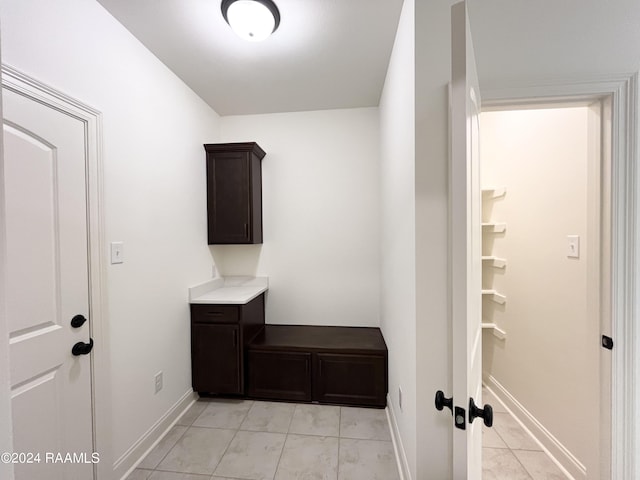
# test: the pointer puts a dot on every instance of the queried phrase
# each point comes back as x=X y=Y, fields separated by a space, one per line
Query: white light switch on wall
x=573 y=246
x=117 y=252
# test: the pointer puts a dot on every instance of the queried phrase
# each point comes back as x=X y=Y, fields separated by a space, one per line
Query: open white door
x=466 y=250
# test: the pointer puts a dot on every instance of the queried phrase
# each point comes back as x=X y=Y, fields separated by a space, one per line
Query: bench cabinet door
x=350 y=379
x=279 y=375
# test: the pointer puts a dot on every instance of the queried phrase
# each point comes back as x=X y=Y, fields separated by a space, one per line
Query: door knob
x=485 y=413
x=82 y=348
x=77 y=321
x=442 y=401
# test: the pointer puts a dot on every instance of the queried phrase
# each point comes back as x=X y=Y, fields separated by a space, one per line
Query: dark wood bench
x=335 y=365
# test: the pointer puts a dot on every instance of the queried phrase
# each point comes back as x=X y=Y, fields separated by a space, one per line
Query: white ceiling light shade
x=252 y=20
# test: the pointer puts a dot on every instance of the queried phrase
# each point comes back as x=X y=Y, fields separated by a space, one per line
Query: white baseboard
x=134 y=455
x=556 y=450
x=401 y=457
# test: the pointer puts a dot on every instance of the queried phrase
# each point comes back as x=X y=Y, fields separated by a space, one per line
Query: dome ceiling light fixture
x=252 y=20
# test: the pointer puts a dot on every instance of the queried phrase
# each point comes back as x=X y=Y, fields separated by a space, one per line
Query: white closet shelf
x=495 y=296
x=494 y=192
x=493 y=227
x=495 y=262
x=496 y=330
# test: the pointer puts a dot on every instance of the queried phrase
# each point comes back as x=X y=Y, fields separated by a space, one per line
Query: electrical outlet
x=400 y=398
x=158 y=379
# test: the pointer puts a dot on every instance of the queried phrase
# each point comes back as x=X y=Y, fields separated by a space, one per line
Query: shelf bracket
x=496 y=330
x=494 y=192
x=495 y=296
x=496 y=262
x=494 y=227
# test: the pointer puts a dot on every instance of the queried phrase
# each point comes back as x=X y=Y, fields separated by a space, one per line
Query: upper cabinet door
x=466 y=237
x=234 y=193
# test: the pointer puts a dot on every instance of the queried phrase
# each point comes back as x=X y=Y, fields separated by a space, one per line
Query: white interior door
x=47 y=285
x=466 y=250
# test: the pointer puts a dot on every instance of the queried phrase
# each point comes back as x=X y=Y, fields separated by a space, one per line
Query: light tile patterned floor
x=510 y=453
x=220 y=439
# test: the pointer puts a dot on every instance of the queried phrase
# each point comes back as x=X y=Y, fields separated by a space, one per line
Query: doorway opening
x=546 y=177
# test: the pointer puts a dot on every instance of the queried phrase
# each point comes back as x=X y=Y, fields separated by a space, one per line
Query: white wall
x=154 y=190
x=397 y=209
x=547 y=359
x=321 y=221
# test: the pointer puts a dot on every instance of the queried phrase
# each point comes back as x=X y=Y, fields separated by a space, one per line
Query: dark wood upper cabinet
x=234 y=193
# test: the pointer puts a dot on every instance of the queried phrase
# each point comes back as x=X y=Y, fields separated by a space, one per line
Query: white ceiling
x=520 y=41
x=325 y=53
x=334 y=53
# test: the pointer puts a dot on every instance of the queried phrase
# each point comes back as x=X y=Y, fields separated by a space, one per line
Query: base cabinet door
x=216 y=358
x=279 y=375
x=350 y=379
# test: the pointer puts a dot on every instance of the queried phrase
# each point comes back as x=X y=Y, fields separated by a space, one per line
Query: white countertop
x=228 y=290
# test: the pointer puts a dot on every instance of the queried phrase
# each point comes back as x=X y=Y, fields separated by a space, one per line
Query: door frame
x=625 y=235
x=22 y=84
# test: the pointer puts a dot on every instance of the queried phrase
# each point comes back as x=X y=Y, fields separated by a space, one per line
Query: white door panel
x=47 y=284
x=27 y=400
x=30 y=193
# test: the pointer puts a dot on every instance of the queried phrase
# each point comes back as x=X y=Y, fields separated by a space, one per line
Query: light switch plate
x=117 y=252
x=573 y=246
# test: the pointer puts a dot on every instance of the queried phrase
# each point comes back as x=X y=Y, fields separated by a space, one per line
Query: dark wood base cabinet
x=337 y=365
x=219 y=337
x=235 y=353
